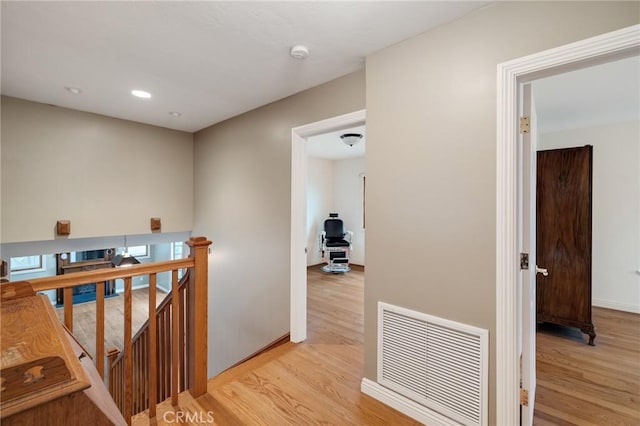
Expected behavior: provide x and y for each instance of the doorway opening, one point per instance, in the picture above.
(299, 233)
(335, 200)
(512, 78)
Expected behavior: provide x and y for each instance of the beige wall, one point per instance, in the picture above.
(431, 167)
(320, 202)
(108, 176)
(243, 204)
(347, 189)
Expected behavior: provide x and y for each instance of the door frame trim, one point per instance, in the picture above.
(298, 271)
(510, 76)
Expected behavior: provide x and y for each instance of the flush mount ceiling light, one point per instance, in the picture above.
(74, 90)
(299, 51)
(141, 94)
(175, 114)
(351, 138)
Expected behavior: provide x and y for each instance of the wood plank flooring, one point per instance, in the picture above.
(318, 381)
(84, 319)
(311, 383)
(579, 384)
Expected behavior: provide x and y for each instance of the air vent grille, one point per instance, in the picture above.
(438, 363)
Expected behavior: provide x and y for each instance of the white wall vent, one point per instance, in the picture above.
(436, 362)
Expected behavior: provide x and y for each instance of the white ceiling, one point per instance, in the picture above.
(601, 94)
(331, 147)
(207, 60)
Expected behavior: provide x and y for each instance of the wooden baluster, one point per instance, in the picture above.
(153, 348)
(160, 356)
(100, 328)
(68, 307)
(167, 354)
(140, 375)
(199, 282)
(145, 369)
(175, 319)
(128, 353)
(187, 334)
(141, 378)
(112, 354)
(181, 340)
(114, 389)
(136, 378)
(134, 394)
(121, 393)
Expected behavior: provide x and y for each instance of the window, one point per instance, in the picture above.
(177, 250)
(139, 252)
(27, 264)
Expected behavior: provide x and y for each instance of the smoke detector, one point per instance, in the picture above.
(299, 51)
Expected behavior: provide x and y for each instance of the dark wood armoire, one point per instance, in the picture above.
(563, 237)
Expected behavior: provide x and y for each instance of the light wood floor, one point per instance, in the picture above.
(318, 381)
(579, 384)
(311, 383)
(84, 319)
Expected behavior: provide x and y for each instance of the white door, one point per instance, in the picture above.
(527, 234)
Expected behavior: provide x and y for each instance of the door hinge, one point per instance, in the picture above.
(524, 124)
(524, 260)
(524, 397)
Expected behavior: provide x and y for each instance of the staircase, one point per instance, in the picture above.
(168, 355)
(165, 316)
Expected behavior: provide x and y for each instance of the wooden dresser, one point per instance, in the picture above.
(46, 377)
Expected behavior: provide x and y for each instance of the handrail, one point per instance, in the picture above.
(190, 310)
(86, 277)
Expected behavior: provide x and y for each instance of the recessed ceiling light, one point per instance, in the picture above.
(73, 90)
(299, 51)
(141, 94)
(175, 113)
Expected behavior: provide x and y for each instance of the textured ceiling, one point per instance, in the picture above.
(207, 60)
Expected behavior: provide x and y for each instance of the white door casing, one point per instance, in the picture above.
(298, 294)
(510, 76)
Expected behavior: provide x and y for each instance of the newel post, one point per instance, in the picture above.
(197, 321)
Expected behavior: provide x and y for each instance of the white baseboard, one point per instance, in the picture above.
(406, 406)
(616, 305)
